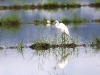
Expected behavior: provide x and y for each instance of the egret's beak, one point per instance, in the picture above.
(54, 22)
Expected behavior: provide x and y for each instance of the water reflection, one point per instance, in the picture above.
(41, 62)
(27, 61)
(63, 62)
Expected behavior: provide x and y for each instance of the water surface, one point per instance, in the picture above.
(82, 60)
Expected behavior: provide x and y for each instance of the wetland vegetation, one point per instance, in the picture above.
(49, 5)
(12, 20)
(28, 43)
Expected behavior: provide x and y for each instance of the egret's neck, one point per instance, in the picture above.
(57, 23)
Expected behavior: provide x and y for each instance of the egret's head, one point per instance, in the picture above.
(48, 22)
(55, 22)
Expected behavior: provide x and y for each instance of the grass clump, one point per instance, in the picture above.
(74, 20)
(97, 1)
(97, 40)
(10, 23)
(96, 43)
(77, 19)
(13, 20)
(66, 20)
(95, 4)
(74, 5)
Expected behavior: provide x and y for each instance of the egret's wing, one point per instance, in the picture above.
(64, 28)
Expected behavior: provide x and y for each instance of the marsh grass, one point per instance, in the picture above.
(73, 5)
(97, 40)
(56, 40)
(97, 1)
(77, 19)
(13, 20)
(10, 23)
(20, 46)
(48, 5)
(96, 43)
(74, 20)
(66, 20)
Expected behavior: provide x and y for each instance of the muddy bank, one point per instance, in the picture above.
(46, 46)
(94, 5)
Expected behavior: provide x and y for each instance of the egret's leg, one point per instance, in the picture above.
(63, 38)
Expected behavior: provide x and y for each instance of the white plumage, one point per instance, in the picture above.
(48, 23)
(62, 27)
(63, 62)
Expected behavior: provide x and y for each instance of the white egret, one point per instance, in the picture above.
(48, 22)
(62, 27)
(63, 62)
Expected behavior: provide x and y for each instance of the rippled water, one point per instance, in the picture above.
(82, 60)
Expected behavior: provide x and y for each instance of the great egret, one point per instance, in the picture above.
(48, 22)
(63, 62)
(62, 27)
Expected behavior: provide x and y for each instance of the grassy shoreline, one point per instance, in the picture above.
(15, 21)
(51, 6)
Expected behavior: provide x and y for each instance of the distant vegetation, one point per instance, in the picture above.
(49, 5)
(75, 19)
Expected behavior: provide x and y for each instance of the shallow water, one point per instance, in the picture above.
(82, 60)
